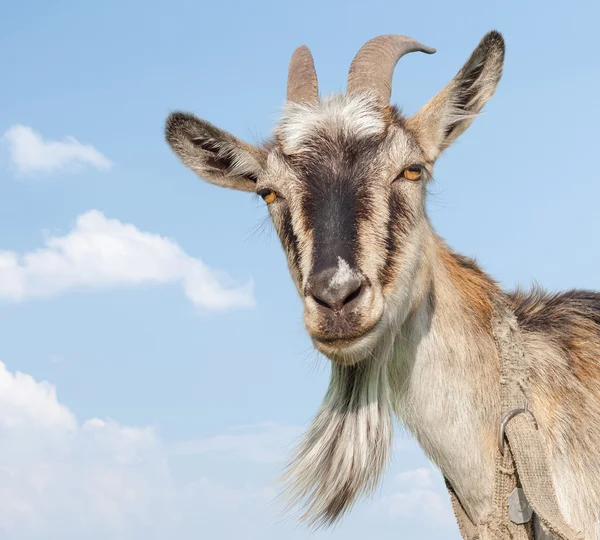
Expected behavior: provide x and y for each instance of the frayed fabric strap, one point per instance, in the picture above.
(521, 459)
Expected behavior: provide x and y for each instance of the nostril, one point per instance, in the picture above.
(353, 295)
(321, 302)
(335, 294)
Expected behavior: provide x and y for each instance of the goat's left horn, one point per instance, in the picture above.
(302, 86)
(373, 66)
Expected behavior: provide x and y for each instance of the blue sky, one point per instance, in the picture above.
(155, 369)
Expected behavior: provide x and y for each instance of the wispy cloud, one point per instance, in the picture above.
(102, 252)
(419, 494)
(261, 443)
(30, 153)
(415, 478)
(63, 479)
(97, 479)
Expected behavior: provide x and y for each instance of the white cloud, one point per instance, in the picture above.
(98, 479)
(58, 477)
(102, 252)
(260, 443)
(418, 478)
(24, 402)
(31, 154)
(420, 496)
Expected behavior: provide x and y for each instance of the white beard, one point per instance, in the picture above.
(347, 447)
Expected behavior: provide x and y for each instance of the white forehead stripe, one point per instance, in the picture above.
(356, 115)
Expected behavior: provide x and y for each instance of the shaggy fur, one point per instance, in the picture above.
(414, 339)
(348, 444)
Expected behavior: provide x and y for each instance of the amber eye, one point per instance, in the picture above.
(268, 195)
(412, 173)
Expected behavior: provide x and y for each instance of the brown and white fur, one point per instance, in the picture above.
(404, 319)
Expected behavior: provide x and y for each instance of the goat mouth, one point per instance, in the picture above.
(341, 342)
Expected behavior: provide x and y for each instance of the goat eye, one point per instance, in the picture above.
(268, 195)
(412, 173)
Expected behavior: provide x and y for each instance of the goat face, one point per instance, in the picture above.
(345, 181)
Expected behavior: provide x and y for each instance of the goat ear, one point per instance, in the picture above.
(452, 110)
(214, 154)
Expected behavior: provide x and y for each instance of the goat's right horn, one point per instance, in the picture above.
(302, 86)
(373, 66)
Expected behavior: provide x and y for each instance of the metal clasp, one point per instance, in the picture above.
(507, 418)
(519, 509)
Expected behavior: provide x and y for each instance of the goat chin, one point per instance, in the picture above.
(353, 351)
(347, 446)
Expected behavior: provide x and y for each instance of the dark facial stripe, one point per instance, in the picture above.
(336, 191)
(398, 220)
(334, 223)
(290, 241)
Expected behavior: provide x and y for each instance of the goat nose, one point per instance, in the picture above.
(333, 291)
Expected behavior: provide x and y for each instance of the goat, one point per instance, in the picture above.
(404, 319)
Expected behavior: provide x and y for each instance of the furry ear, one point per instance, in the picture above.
(450, 112)
(214, 154)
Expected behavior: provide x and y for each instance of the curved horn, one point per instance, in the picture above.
(373, 66)
(302, 79)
